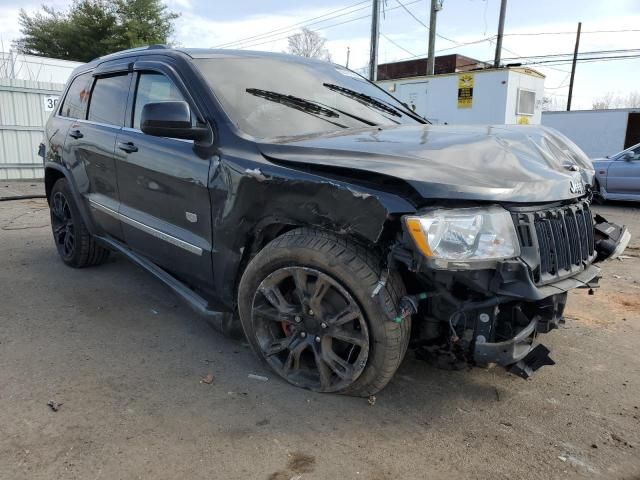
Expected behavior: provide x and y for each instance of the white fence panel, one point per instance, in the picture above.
(25, 107)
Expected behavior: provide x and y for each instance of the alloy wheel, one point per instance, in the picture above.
(62, 225)
(310, 330)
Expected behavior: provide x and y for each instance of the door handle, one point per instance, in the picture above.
(128, 147)
(76, 134)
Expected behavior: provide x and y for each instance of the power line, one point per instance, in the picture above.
(396, 44)
(520, 56)
(473, 42)
(623, 50)
(412, 14)
(308, 21)
(424, 24)
(324, 27)
(561, 61)
(584, 60)
(571, 33)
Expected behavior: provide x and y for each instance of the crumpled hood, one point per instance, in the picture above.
(508, 163)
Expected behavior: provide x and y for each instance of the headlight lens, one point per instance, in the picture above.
(465, 234)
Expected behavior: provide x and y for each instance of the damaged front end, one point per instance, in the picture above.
(488, 280)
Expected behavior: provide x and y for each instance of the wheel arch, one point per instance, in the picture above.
(51, 176)
(54, 172)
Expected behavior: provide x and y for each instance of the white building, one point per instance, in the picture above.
(17, 66)
(598, 132)
(488, 96)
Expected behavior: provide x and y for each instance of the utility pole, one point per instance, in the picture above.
(573, 66)
(348, 55)
(431, 59)
(503, 12)
(375, 31)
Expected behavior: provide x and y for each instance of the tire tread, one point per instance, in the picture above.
(365, 266)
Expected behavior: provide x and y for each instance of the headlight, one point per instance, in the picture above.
(468, 237)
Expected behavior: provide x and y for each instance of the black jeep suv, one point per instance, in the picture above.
(302, 202)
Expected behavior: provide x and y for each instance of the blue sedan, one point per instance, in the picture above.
(618, 176)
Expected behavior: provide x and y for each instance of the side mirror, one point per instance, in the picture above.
(628, 156)
(170, 119)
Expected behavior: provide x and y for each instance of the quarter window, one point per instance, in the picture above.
(77, 98)
(153, 87)
(109, 100)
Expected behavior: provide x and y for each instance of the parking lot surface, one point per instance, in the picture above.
(144, 388)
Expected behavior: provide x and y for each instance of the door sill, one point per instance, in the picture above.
(221, 321)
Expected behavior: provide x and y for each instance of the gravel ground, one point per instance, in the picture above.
(125, 360)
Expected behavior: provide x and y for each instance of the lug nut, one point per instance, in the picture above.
(318, 339)
(323, 325)
(298, 319)
(310, 312)
(303, 334)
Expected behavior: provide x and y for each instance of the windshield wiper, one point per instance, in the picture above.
(364, 98)
(307, 106)
(292, 101)
(376, 102)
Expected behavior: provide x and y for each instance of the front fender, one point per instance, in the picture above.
(248, 197)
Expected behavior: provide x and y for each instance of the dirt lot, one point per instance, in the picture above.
(125, 359)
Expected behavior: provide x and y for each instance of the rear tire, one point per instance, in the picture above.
(348, 344)
(76, 247)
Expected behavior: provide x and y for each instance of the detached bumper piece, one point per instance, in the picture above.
(513, 330)
(519, 355)
(611, 239)
(507, 352)
(536, 358)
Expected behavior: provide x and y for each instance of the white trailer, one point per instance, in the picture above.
(598, 132)
(488, 96)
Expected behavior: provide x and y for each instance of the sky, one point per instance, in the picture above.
(214, 23)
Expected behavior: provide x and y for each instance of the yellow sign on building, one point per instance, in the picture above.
(465, 90)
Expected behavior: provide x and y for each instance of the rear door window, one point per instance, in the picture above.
(109, 100)
(153, 87)
(77, 98)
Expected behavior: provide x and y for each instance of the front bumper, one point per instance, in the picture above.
(494, 316)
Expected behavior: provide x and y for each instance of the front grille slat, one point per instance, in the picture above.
(584, 240)
(590, 226)
(565, 240)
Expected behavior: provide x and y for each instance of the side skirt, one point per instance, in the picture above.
(221, 321)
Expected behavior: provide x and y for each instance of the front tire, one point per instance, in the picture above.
(76, 247)
(306, 309)
(598, 198)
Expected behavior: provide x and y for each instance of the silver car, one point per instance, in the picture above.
(618, 176)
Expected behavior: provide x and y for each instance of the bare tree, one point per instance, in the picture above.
(551, 103)
(603, 102)
(632, 100)
(310, 44)
(608, 100)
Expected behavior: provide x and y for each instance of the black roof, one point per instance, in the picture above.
(192, 53)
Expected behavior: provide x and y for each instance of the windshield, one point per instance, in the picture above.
(285, 97)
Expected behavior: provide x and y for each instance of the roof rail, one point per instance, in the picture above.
(158, 46)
